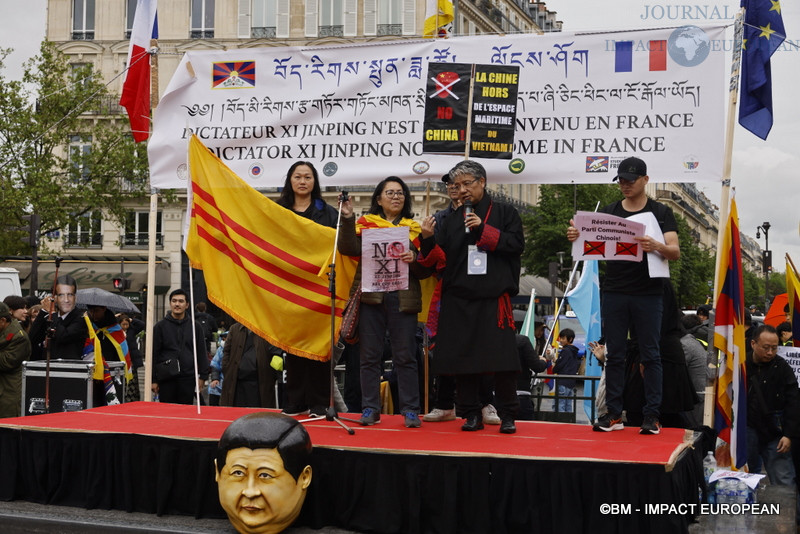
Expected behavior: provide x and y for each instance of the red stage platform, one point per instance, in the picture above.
(156, 458)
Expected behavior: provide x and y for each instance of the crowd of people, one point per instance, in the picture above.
(654, 358)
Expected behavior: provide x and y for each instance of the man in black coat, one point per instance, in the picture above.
(66, 324)
(172, 341)
(481, 243)
(773, 409)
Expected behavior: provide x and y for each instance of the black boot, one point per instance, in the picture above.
(474, 422)
(507, 426)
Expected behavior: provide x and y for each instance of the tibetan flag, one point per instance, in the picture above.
(730, 416)
(263, 264)
(438, 16)
(793, 293)
(584, 299)
(763, 34)
(136, 88)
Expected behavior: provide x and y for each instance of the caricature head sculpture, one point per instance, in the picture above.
(263, 471)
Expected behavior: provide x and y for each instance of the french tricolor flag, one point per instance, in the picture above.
(623, 55)
(136, 89)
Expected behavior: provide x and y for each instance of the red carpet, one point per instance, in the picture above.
(533, 440)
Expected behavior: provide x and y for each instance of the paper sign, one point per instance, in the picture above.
(792, 356)
(606, 237)
(382, 269)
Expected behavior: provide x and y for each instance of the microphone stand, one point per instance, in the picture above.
(336, 348)
(50, 332)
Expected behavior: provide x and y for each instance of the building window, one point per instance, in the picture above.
(264, 22)
(82, 20)
(136, 230)
(331, 18)
(390, 17)
(80, 74)
(84, 231)
(80, 147)
(202, 19)
(131, 13)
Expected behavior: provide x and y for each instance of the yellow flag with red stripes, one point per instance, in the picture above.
(262, 263)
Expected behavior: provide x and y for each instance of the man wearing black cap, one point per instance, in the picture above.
(632, 300)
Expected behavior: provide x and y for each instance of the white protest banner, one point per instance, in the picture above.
(585, 102)
(606, 237)
(792, 356)
(381, 266)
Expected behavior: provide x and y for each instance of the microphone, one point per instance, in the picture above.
(467, 211)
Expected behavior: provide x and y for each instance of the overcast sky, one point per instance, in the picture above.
(765, 173)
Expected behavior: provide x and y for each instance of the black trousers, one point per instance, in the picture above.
(179, 390)
(468, 399)
(308, 382)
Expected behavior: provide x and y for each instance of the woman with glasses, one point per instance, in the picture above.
(69, 331)
(393, 310)
(307, 381)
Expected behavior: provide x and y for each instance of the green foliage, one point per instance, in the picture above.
(54, 104)
(693, 273)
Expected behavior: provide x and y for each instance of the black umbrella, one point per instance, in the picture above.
(94, 296)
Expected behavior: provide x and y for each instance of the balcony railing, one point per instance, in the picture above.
(83, 35)
(83, 240)
(263, 32)
(333, 31)
(390, 29)
(140, 240)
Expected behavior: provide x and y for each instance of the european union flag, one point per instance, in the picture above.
(763, 34)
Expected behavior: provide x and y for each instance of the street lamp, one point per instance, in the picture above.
(766, 260)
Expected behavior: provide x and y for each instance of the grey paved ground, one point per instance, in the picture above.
(23, 517)
(784, 523)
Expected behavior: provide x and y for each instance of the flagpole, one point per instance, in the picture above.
(151, 246)
(791, 263)
(560, 305)
(708, 405)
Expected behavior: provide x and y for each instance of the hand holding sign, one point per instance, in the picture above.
(600, 236)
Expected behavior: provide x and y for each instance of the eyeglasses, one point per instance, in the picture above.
(463, 185)
(626, 181)
(769, 348)
(66, 295)
(394, 194)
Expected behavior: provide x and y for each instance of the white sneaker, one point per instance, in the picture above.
(438, 415)
(490, 416)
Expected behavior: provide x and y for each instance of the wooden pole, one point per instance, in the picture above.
(708, 405)
(151, 246)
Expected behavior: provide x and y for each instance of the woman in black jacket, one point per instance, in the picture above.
(307, 381)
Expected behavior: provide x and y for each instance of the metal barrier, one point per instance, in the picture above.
(541, 394)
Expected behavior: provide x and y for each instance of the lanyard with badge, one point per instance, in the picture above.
(476, 259)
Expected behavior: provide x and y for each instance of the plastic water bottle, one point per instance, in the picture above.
(709, 465)
(723, 491)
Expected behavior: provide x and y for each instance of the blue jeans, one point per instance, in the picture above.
(779, 465)
(566, 404)
(373, 323)
(619, 313)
